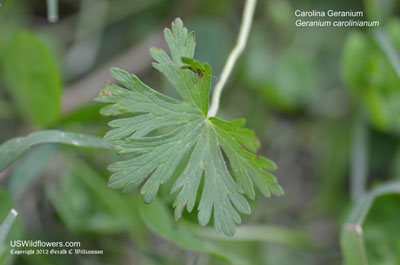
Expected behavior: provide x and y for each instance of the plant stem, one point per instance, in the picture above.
(359, 158)
(52, 11)
(247, 19)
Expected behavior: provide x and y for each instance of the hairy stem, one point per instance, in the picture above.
(234, 55)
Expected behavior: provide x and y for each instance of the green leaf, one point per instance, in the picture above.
(32, 79)
(380, 10)
(29, 168)
(5, 110)
(355, 61)
(352, 234)
(381, 225)
(85, 204)
(383, 40)
(157, 218)
(182, 127)
(285, 80)
(260, 233)
(372, 78)
(13, 149)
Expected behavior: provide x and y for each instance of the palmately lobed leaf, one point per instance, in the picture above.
(204, 139)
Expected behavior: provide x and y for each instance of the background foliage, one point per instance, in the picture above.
(323, 101)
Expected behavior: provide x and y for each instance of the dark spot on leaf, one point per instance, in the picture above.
(199, 72)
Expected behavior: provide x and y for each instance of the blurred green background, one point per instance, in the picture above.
(325, 103)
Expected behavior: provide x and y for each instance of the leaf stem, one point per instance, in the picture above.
(247, 19)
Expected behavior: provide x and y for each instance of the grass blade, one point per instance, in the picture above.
(259, 233)
(29, 168)
(352, 235)
(6, 225)
(13, 149)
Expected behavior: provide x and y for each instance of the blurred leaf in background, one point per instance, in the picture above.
(86, 204)
(285, 79)
(372, 79)
(27, 170)
(32, 79)
(382, 234)
(13, 13)
(370, 233)
(380, 10)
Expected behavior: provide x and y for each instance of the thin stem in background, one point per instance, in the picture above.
(90, 25)
(234, 55)
(359, 158)
(52, 11)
